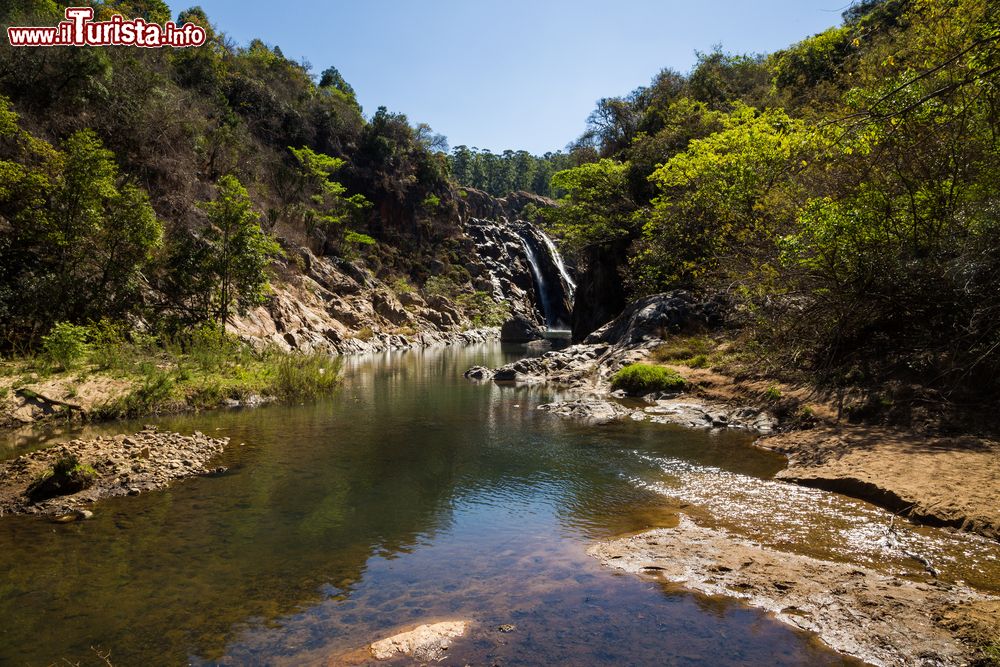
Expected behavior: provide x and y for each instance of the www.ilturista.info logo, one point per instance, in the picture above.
(79, 30)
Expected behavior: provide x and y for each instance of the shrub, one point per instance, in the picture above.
(402, 285)
(697, 361)
(65, 345)
(483, 310)
(641, 379)
(441, 286)
(109, 349)
(773, 393)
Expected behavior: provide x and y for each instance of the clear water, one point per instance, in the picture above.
(414, 496)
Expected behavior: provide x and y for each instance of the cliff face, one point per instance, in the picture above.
(601, 295)
(331, 305)
(515, 260)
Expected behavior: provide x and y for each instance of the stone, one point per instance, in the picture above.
(479, 373)
(519, 329)
(425, 642)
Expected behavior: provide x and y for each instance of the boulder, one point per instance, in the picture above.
(656, 317)
(479, 373)
(519, 329)
(424, 643)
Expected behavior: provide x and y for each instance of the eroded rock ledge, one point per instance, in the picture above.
(125, 465)
(879, 618)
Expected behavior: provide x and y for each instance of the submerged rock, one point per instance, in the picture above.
(877, 617)
(590, 410)
(425, 642)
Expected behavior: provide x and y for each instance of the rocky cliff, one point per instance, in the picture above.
(332, 305)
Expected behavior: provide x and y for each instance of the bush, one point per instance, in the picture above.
(441, 286)
(402, 285)
(109, 349)
(641, 379)
(483, 310)
(65, 345)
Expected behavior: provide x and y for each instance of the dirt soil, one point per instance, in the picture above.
(879, 618)
(125, 465)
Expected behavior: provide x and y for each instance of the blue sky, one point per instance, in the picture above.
(510, 73)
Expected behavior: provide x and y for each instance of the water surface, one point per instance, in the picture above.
(413, 496)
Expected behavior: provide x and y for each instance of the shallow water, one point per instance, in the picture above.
(412, 496)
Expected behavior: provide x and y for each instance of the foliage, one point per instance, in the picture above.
(722, 200)
(81, 236)
(66, 476)
(298, 376)
(642, 379)
(65, 345)
(500, 174)
(596, 208)
(483, 310)
(119, 133)
(239, 251)
(322, 203)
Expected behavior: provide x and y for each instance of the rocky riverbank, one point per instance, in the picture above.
(120, 465)
(939, 480)
(879, 618)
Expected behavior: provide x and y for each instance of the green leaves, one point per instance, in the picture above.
(724, 197)
(329, 210)
(240, 251)
(596, 208)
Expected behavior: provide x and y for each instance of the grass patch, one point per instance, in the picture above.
(199, 369)
(679, 349)
(990, 654)
(642, 379)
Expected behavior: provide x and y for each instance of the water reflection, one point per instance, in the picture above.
(410, 496)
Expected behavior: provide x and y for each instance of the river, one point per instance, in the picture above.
(414, 495)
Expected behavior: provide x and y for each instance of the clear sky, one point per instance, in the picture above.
(510, 73)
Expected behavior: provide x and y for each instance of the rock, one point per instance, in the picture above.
(590, 410)
(505, 374)
(880, 618)
(519, 329)
(425, 642)
(655, 316)
(66, 477)
(479, 373)
(507, 627)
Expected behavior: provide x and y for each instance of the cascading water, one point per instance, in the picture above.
(557, 258)
(521, 265)
(553, 284)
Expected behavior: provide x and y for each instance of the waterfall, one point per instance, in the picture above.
(557, 258)
(553, 284)
(520, 264)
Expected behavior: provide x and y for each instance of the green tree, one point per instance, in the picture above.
(596, 208)
(722, 200)
(240, 251)
(322, 202)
